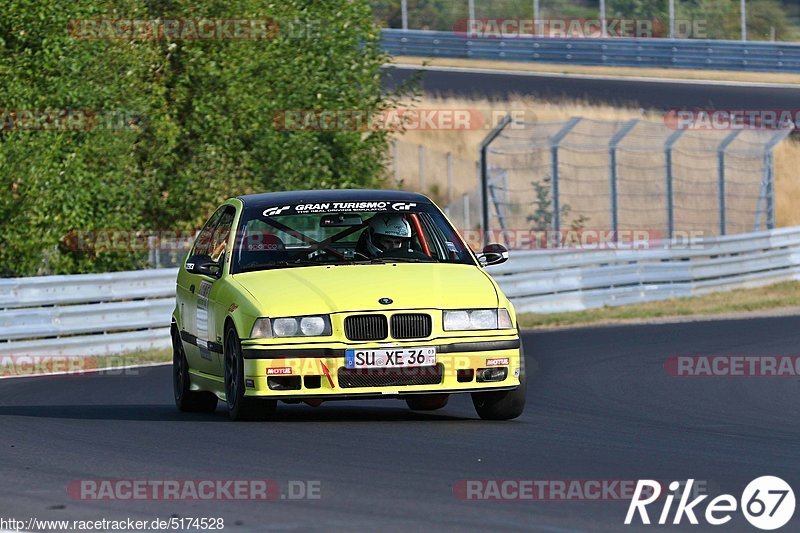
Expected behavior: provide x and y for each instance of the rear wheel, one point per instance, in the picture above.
(427, 402)
(240, 407)
(185, 399)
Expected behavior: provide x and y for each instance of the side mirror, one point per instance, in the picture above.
(493, 254)
(203, 264)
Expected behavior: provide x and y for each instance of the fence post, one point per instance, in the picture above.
(483, 151)
(466, 211)
(612, 153)
(769, 172)
(422, 168)
(396, 160)
(721, 174)
(554, 142)
(670, 192)
(449, 177)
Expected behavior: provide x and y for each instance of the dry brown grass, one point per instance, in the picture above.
(463, 145)
(714, 75)
(787, 183)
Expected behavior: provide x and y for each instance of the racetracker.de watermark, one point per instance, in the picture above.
(558, 28)
(732, 119)
(75, 365)
(193, 489)
(67, 119)
(550, 490)
(177, 29)
(584, 239)
(398, 120)
(733, 366)
(112, 240)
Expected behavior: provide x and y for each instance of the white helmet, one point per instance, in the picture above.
(389, 225)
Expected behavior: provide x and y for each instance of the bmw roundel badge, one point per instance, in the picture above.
(385, 301)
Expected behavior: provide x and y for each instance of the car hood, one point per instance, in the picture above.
(332, 289)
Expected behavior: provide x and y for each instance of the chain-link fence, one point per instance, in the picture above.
(625, 176)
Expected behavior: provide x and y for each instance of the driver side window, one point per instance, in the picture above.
(212, 238)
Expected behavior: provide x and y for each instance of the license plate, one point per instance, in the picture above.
(390, 358)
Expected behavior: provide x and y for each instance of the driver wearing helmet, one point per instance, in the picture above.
(386, 233)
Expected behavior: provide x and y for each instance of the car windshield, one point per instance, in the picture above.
(344, 234)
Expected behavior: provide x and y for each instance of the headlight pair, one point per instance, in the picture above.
(293, 326)
(474, 319)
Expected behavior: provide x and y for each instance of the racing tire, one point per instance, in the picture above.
(241, 407)
(187, 400)
(427, 402)
(503, 405)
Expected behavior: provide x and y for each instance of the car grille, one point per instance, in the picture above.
(366, 327)
(411, 326)
(390, 377)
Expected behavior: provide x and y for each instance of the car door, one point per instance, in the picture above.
(192, 294)
(211, 311)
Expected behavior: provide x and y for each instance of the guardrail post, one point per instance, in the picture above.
(670, 192)
(483, 151)
(612, 164)
(554, 142)
(721, 175)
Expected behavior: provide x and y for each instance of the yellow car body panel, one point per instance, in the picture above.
(209, 304)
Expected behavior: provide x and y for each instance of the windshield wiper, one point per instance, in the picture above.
(385, 260)
(279, 264)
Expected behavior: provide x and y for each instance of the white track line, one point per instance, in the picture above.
(667, 81)
(91, 371)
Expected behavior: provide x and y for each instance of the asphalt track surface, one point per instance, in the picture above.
(658, 95)
(600, 406)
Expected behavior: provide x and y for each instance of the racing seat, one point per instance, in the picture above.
(260, 247)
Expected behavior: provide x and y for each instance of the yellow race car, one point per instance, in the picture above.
(312, 296)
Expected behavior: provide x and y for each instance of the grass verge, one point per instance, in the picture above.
(777, 297)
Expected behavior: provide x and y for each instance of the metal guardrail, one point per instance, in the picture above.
(128, 311)
(570, 280)
(88, 314)
(652, 53)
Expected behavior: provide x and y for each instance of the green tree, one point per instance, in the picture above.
(206, 129)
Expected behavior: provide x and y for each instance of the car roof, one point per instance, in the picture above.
(331, 195)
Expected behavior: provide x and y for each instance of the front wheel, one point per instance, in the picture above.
(501, 405)
(240, 407)
(187, 400)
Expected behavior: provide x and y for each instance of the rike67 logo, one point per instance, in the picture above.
(767, 503)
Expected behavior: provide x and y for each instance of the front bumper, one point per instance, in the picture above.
(318, 371)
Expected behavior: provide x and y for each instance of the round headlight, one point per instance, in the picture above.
(284, 327)
(483, 319)
(312, 326)
(456, 320)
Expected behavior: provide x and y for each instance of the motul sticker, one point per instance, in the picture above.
(503, 361)
(279, 371)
